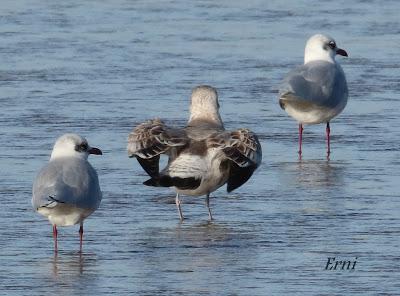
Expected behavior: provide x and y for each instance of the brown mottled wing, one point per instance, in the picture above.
(150, 139)
(243, 150)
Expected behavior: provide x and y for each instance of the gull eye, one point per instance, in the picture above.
(82, 147)
(332, 44)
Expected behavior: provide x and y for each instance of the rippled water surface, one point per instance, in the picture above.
(99, 67)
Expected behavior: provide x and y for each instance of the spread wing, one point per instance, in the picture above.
(243, 150)
(67, 181)
(152, 138)
(318, 82)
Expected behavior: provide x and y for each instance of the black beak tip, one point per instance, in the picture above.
(342, 52)
(95, 151)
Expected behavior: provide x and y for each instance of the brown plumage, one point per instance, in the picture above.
(203, 156)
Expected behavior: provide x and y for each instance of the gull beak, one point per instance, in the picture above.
(342, 52)
(94, 150)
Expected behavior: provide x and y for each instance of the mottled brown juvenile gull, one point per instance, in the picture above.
(67, 190)
(317, 91)
(203, 156)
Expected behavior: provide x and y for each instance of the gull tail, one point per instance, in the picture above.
(51, 203)
(168, 181)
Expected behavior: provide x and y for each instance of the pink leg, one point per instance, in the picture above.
(80, 237)
(55, 233)
(328, 139)
(300, 137)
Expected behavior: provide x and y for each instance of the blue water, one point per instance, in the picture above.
(99, 68)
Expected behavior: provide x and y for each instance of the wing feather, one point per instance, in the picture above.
(319, 82)
(73, 182)
(150, 139)
(243, 149)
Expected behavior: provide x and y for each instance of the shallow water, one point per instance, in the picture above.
(100, 68)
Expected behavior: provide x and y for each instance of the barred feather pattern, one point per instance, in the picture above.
(153, 138)
(241, 146)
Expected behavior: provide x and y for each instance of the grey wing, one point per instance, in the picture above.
(317, 82)
(243, 150)
(71, 182)
(152, 138)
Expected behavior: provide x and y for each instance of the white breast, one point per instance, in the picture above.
(315, 115)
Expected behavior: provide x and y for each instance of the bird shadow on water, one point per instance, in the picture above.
(314, 173)
(192, 246)
(202, 234)
(188, 234)
(71, 264)
(69, 273)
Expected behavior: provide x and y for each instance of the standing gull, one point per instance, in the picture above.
(67, 190)
(203, 156)
(316, 91)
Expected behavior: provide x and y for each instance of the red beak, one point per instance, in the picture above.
(342, 52)
(95, 151)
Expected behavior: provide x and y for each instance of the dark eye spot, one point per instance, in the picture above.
(82, 147)
(332, 44)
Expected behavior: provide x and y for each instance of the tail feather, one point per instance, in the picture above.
(168, 181)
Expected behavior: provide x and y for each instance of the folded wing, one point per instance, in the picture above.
(152, 138)
(319, 82)
(72, 182)
(243, 151)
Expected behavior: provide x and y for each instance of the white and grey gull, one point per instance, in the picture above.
(317, 91)
(67, 189)
(203, 156)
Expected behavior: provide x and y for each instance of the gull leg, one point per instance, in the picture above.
(300, 138)
(80, 237)
(55, 233)
(208, 206)
(178, 205)
(328, 139)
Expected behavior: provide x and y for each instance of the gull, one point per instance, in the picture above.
(67, 190)
(317, 91)
(203, 156)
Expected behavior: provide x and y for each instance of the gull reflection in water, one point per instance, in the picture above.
(314, 173)
(321, 173)
(71, 263)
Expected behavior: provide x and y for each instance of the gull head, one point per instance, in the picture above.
(204, 104)
(322, 47)
(73, 145)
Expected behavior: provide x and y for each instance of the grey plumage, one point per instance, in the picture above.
(317, 91)
(70, 181)
(66, 190)
(318, 83)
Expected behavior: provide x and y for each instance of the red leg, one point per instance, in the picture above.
(80, 237)
(55, 233)
(300, 137)
(328, 139)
